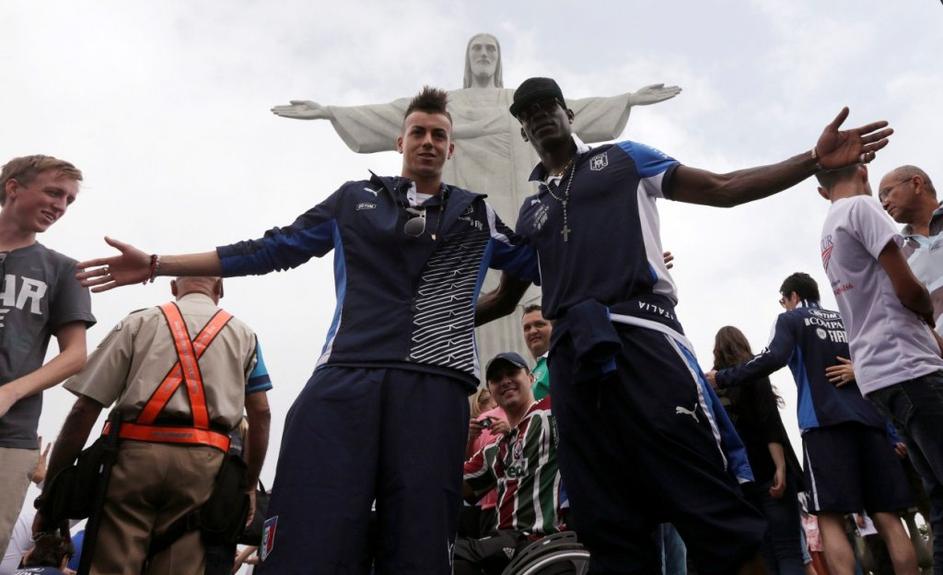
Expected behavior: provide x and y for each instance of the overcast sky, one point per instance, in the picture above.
(164, 106)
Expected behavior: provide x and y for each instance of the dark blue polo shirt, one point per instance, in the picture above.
(403, 302)
(612, 253)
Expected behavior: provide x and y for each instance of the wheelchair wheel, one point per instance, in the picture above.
(557, 554)
(566, 562)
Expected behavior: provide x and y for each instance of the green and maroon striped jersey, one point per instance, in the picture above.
(523, 467)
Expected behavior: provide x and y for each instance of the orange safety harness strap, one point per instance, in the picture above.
(169, 434)
(186, 369)
(174, 378)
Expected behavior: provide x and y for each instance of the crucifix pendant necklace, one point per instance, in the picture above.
(565, 231)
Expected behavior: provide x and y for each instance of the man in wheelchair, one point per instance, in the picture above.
(522, 464)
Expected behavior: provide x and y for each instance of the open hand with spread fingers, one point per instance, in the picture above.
(839, 148)
(102, 274)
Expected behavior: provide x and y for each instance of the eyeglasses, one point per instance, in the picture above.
(782, 300)
(545, 106)
(887, 191)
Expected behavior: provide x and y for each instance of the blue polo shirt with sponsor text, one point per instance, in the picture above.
(809, 339)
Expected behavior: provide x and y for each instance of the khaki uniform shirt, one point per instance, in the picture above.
(134, 358)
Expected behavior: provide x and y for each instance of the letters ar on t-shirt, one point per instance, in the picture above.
(38, 294)
(22, 293)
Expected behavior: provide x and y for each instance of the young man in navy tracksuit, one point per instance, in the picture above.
(850, 463)
(384, 417)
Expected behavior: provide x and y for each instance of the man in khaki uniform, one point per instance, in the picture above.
(175, 430)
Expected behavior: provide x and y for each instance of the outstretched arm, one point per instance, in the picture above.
(652, 94)
(365, 129)
(134, 266)
(775, 356)
(604, 118)
(303, 110)
(835, 149)
(311, 234)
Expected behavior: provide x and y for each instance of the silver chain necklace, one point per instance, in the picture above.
(565, 231)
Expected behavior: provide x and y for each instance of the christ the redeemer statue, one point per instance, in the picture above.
(491, 156)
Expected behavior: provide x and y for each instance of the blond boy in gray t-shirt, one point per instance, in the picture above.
(39, 298)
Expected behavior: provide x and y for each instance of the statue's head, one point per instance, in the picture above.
(483, 60)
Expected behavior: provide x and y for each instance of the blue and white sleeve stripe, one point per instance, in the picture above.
(655, 168)
(259, 379)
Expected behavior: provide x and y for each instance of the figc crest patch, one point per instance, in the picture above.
(268, 537)
(598, 162)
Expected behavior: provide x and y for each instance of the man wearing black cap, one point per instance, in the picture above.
(522, 465)
(623, 377)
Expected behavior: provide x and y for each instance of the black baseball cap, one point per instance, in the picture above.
(498, 361)
(534, 90)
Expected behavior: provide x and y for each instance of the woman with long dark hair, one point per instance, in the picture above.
(753, 409)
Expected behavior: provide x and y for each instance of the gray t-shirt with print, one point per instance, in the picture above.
(889, 343)
(38, 294)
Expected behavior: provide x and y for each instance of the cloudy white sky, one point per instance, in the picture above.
(164, 105)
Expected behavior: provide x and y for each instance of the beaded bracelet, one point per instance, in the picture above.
(815, 156)
(155, 266)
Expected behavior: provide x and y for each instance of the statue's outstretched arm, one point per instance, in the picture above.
(365, 129)
(603, 119)
(653, 94)
(303, 110)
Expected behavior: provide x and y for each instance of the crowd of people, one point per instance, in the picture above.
(612, 429)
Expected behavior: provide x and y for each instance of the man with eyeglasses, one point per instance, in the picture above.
(620, 365)
(384, 417)
(908, 195)
(849, 448)
(39, 298)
